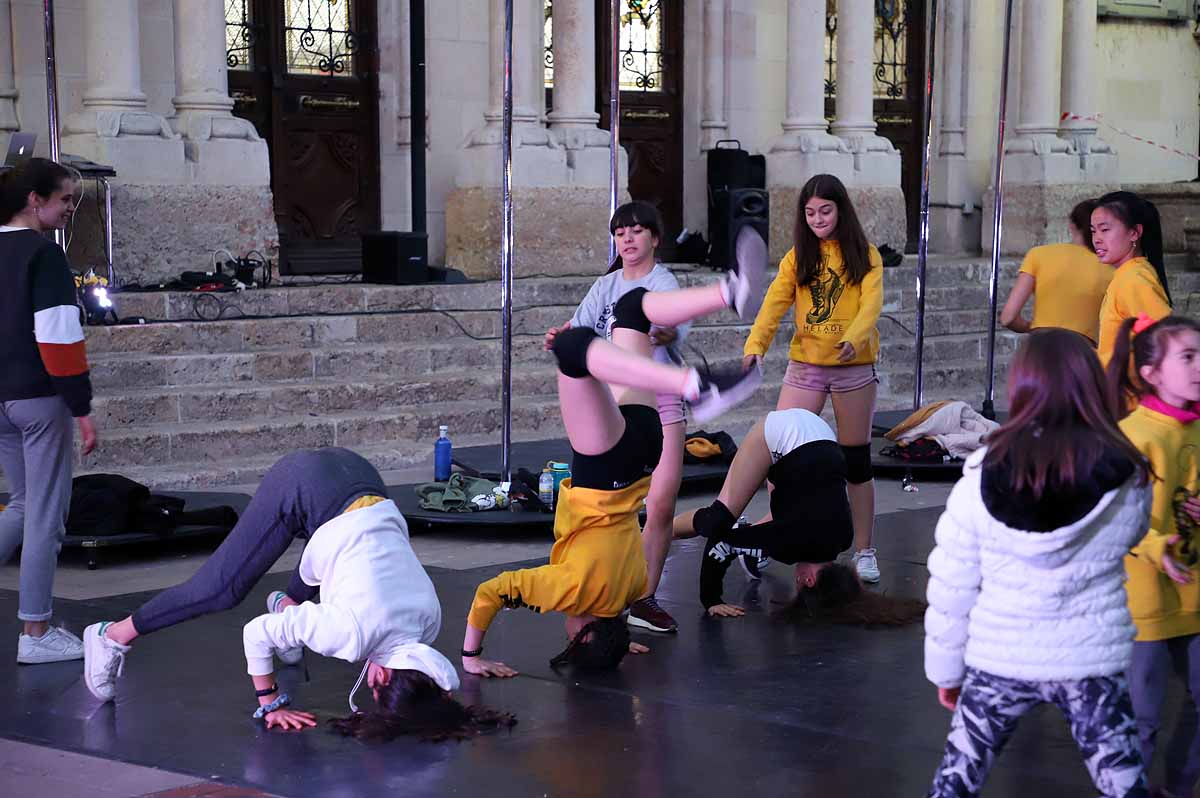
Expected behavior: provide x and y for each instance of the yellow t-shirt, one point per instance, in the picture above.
(596, 566)
(1161, 608)
(1070, 282)
(829, 311)
(1134, 289)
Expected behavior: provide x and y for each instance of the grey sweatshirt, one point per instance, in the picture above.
(596, 309)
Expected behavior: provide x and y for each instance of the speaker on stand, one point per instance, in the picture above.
(736, 196)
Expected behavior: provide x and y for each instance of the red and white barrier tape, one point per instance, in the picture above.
(1098, 119)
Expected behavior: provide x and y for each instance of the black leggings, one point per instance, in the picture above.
(301, 492)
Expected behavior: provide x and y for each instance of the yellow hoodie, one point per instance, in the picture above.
(596, 566)
(829, 311)
(1161, 608)
(1134, 289)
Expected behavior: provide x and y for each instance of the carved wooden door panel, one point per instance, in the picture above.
(651, 102)
(309, 85)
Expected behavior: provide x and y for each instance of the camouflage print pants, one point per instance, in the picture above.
(1097, 709)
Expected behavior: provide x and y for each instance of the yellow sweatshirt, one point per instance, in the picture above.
(1134, 289)
(596, 565)
(829, 311)
(1161, 608)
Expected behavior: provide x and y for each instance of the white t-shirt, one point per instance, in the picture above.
(788, 430)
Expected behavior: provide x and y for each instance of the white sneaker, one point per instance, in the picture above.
(866, 565)
(291, 656)
(57, 645)
(746, 279)
(103, 661)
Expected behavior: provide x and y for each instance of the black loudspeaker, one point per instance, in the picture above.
(748, 207)
(729, 170)
(395, 258)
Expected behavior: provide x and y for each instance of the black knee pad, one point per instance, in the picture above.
(628, 312)
(713, 521)
(858, 464)
(570, 348)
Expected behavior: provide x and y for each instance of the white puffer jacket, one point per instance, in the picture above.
(1037, 606)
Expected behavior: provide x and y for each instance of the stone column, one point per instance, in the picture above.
(8, 83)
(952, 229)
(1035, 152)
(713, 124)
(559, 178)
(876, 161)
(1096, 157)
(115, 126)
(573, 119)
(221, 148)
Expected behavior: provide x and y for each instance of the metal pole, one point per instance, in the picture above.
(923, 236)
(989, 405)
(614, 118)
(52, 91)
(108, 230)
(506, 253)
(416, 94)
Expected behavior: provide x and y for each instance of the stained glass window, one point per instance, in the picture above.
(239, 35)
(548, 43)
(318, 37)
(641, 54)
(891, 49)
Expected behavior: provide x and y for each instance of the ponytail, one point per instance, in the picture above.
(1123, 388)
(35, 176)
(1133, 210)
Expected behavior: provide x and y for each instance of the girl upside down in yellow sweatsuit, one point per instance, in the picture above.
(597, 568)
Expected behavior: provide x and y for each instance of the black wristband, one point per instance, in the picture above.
(474, 653)
(274, 688)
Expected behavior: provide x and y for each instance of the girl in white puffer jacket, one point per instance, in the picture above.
(1026, 591)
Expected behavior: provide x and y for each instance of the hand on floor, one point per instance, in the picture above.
(288, 719)
(726, 611)
(486, 667)
(948, 697)
(638, 648)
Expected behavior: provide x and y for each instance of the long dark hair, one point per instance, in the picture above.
(1148, 348)
(412, 703)
(600, 645)
(1062, 420)
(849, 233)
(1133, 210)
(1081, 220)
(634, 213)
(37, 176)
(838, 596)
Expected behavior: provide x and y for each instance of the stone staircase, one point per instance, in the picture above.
(189, 403)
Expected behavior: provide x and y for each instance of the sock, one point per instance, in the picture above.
(691, 386)
(727, 289)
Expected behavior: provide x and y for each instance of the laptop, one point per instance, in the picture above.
(20, 148)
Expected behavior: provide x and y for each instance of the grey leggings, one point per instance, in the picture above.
(299, 494)
(36, 449)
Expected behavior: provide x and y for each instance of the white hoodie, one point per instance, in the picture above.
(377, 602)
(1035, 606)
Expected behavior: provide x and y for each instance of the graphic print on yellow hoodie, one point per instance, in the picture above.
(829, 310)
(1161, 608)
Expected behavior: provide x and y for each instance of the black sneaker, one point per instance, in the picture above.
(723, 390)
(646, 614)
(753, 566)
(747, 276)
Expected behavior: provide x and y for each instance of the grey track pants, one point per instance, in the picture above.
(36, 447)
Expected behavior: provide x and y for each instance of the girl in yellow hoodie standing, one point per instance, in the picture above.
(1162, 570)
(835, 280)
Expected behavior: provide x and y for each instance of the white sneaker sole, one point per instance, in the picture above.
(46, 658)
(870, 576)
(751, 253)
(94, 647)
(709, 407)
(633, 620)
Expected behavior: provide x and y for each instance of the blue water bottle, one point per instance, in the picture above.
(441, 455)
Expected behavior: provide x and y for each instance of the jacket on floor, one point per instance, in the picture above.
(377, 602)
(1020, 603)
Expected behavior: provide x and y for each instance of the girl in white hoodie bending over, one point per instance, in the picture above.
(1026, 590)
(377, 602)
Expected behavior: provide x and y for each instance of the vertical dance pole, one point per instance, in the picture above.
(506, 253)
(923, 236)
(614, 118)
(52, 91)
(989, 403)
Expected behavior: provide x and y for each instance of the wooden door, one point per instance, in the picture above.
(304, 72)
(651, 102)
